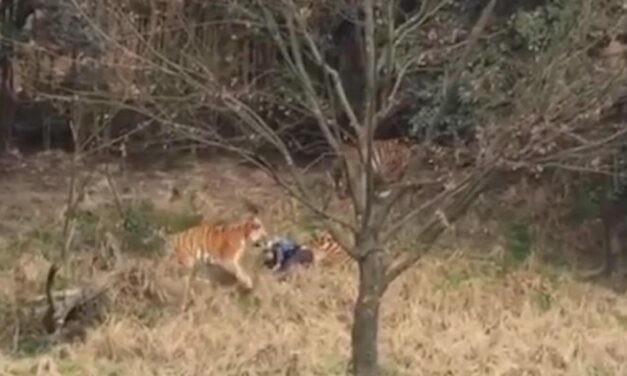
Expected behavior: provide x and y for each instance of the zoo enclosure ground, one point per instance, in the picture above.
(448, 316)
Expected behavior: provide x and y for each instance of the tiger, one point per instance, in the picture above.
(327, 251)
(221, 244)
(390, 162)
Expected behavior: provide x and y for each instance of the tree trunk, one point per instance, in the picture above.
(366, 316)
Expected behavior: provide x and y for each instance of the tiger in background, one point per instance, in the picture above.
(390, 162)
(222, 244)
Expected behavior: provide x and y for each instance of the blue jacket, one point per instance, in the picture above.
(284, 249)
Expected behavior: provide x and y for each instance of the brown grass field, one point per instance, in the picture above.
(448, 316)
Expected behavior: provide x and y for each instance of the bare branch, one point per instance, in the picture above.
(417, 20)
(354, 121)
(452, 83)
(299, 69)
(579, 150)
(402, 190)
(461, 199)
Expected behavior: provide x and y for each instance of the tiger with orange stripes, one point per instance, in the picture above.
(327, 251)
(219, 244)
(390, 162)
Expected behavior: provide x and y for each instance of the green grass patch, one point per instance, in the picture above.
(542, 300)
(519, 245)
(44, 241)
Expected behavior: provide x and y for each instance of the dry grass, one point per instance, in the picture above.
(444, 317)
(436, 321)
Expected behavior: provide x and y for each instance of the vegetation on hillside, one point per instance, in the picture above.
(516, 108)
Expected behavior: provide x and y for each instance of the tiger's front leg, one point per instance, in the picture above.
(243, 278)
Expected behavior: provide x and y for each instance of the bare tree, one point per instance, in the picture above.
(533, 142)
(556, 134)
(374, 221)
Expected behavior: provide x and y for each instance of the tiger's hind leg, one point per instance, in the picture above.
(188, 294)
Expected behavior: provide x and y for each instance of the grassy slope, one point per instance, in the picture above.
(445, 317)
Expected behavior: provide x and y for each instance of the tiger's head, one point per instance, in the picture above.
(255, 230)
(319, 236)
